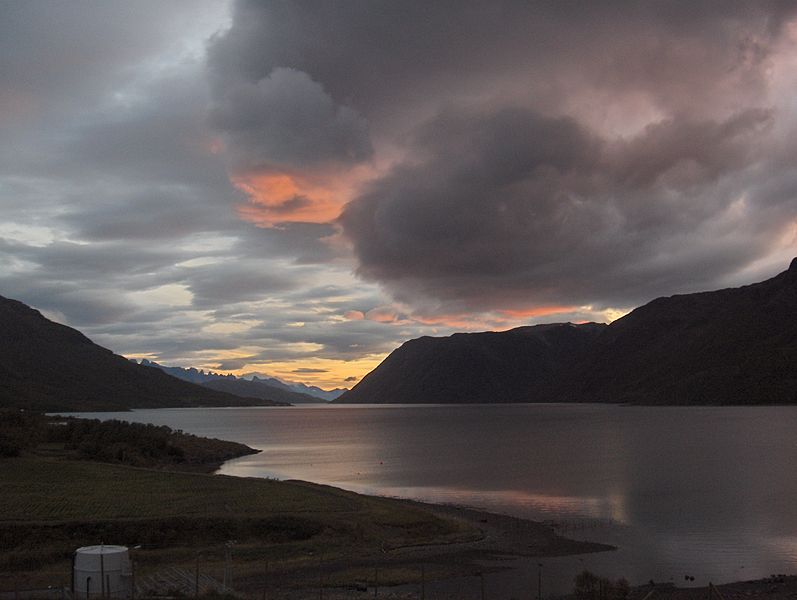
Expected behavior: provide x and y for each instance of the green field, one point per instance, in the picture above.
(42, 489)
(51, 505)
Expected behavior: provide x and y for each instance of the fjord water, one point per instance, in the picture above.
(709, 492)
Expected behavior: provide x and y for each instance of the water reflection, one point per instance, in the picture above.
(704, 491)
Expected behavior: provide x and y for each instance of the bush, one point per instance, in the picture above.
(589, 586)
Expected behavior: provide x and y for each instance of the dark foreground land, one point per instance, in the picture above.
(776, 587)
(290, 536)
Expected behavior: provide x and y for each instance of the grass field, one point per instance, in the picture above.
(50, 506)
(42, 489)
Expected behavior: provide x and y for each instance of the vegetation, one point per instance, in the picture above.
(68, 483)
(52, 505)
(589, 586)
(135, 444)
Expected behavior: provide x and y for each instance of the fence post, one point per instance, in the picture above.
(196, 578)
(321, 578)
(266, 583)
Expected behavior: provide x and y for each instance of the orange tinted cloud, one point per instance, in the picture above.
(275, 198)
(313, 197)
(382, 314)
(538, 311)
(460, 321)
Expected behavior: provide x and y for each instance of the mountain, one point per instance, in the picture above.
(265, 389)
(258, 389)
(732, 346)
(46, 366)
(191, 374)
(311, 390)
(520, 365)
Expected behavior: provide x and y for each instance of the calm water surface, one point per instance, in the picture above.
(707, 492)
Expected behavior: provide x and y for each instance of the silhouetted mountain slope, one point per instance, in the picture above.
(48, 366)
(733, 346)
(258, 389)
(520, 365)
(314, 390)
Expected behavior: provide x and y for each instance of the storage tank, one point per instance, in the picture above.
(102, 572)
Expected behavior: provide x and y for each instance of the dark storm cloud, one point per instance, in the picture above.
(544, 153)
(286, 119)
(542, 210)
(382, 56)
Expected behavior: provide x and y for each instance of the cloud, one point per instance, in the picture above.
(233, 364)
(537, 210)
(287, 121)
(537, 154)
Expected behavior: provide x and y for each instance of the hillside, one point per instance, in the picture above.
(732, 346)
(521, 365)
(51, 367)
(302, 388)
(257, 389)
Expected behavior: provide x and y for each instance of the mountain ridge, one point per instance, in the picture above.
(47, 366)
(730, 346)
(230, 384)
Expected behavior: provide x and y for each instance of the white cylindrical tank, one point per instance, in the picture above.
(102, 571)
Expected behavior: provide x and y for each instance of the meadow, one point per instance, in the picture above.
(53, 505)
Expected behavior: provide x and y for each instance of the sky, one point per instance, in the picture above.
(296, 188)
